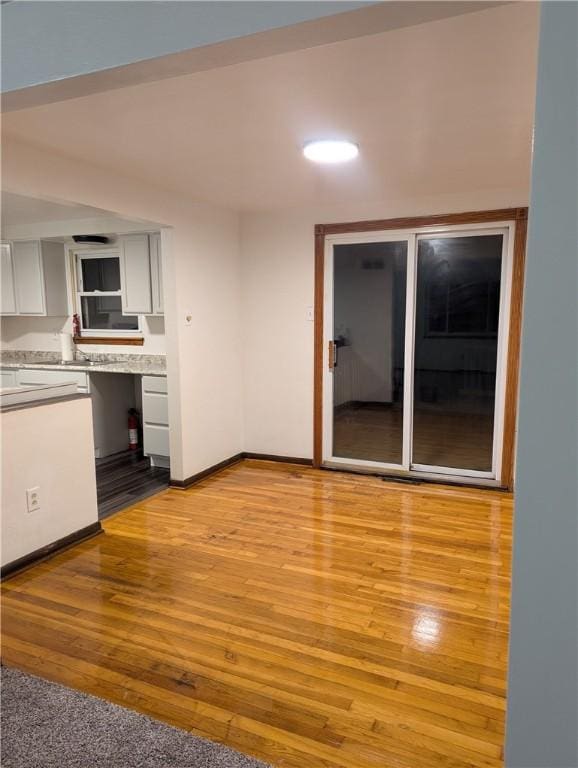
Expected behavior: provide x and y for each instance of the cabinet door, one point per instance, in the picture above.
(31, 376)
(135, 275)
(7, 379)
(8, 305)
(155, 401)
(28, 278)
(157, 274)
(156, 440)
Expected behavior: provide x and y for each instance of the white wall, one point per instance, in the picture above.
(41, 334)
(277, 287)
(64, 473)
(201, 276)
(208, 285)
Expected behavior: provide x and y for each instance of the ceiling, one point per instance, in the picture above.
(18, 209)
(435, 109)
(24, 217)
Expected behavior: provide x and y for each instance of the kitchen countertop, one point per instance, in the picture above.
(149, 365)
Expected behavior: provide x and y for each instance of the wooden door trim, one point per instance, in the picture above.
(519, 216)
(318, 347)
(514, 344)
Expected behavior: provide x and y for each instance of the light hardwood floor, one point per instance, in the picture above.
(310, 618)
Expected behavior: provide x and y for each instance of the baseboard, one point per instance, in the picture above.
(273, 457)
(193, 479)
(11, 569)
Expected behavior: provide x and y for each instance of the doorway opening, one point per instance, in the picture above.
(417, 345)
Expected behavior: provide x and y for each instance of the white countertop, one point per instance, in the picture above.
(147, 365)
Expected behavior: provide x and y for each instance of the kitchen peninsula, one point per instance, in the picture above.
(48, 496)
(116, 384)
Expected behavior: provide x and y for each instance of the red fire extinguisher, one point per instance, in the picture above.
(133, 429)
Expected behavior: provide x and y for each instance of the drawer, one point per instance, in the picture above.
(34, 376)
(155, 408)
(7, 379)
(154, 384)
(156, 440)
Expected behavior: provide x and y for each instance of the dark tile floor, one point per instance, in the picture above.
(124, 478)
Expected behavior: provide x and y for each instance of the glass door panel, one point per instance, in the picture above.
(456, 351)
(369, 297)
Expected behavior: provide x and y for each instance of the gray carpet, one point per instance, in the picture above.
(45, 725)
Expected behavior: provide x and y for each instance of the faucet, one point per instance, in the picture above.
(82, 354)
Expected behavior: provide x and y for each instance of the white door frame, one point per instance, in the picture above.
(412, 237)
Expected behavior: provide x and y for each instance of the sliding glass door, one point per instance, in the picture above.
(456, 352)
(369, 299)
(415, 338)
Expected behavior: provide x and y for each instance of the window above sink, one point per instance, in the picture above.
(99, 296)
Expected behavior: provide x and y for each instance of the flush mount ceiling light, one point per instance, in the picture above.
(330, 151)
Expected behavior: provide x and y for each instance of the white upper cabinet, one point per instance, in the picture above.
(36, 279)
(141, 274)
(29, 278)
(135, 275)
(8, 306)
(156, 274)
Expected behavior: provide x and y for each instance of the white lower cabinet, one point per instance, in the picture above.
(155, 418)
(112, 397)
(29, 377)
(156, 441)
(7, 378)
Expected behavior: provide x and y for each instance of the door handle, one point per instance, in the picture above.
(332, 355)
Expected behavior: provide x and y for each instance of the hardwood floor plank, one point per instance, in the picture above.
(313, 619)
(123, 478)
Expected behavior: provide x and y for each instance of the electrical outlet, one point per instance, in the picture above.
(33, 499)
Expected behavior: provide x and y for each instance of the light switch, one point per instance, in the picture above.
(309, 314)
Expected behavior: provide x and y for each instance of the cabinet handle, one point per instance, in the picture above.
(332, 355)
